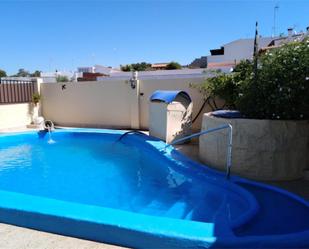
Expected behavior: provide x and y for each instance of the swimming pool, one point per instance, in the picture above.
(135, 193)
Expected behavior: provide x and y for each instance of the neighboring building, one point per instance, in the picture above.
(291, 37)
(91, 73)
(233, 52)
(82, 74)
(86, 69)
(228, 55)
(51, 77)
(97, 69)
(159, 66)
(199, 62)
(91, 76)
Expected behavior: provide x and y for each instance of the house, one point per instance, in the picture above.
(86, 69)
(91, 73)
(228, 55)
(51, 77)
(291, 37)
(90, 76)
(97, 69)
(159, 66)
(199, 62)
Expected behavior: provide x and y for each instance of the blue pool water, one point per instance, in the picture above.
(94, 169)
(137, 178)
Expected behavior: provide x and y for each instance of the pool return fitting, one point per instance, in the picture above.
(47, 126)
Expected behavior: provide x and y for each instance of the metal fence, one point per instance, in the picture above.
(14, 91)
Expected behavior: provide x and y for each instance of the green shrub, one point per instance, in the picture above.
(62, 78)
(278, 90)
(173, 65)
(36, 73)
(126, 68)
(143, 66)
(2, 73)
(36, 97)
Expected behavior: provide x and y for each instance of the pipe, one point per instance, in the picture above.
(129, 132)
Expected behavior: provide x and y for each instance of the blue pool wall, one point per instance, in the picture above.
(98, 224)
(125, 228)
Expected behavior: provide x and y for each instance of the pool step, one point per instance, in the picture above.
(177, 210)
(220, 218)
(174, 210)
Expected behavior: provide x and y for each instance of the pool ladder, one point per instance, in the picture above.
(222, 127)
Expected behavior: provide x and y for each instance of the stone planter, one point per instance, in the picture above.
(262, 149)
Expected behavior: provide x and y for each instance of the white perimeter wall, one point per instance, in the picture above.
(14, 115)
(92, 104)
(110, 103)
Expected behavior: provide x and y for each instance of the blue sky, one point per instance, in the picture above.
(49, 35)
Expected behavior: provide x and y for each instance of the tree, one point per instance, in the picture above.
(142, 66)
(173, 65)
(2, 73)
(36, 97)
(22, 73)
(126, 68)
(36, 73)
(62, 78)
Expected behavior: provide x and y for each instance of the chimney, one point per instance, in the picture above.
(290, 32)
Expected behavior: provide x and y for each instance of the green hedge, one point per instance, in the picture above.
(278, 90)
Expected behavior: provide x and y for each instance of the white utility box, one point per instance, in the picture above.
(170, 115)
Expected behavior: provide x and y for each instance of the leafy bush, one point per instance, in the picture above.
(36, 73)
(2, 73)
(62, 78)
(22, 73)
(173, 65)
(278, 90)
(126, 68)
(143, 66)
(36, 97)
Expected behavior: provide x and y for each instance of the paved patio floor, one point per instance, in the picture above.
(12, 237)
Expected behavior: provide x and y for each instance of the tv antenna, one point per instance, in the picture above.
(276, 9)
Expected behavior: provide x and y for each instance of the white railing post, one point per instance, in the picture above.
(229, 151)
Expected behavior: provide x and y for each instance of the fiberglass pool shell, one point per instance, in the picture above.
(137, 193)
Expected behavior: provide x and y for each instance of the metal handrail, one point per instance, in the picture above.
(129, 132)
(229, 143)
